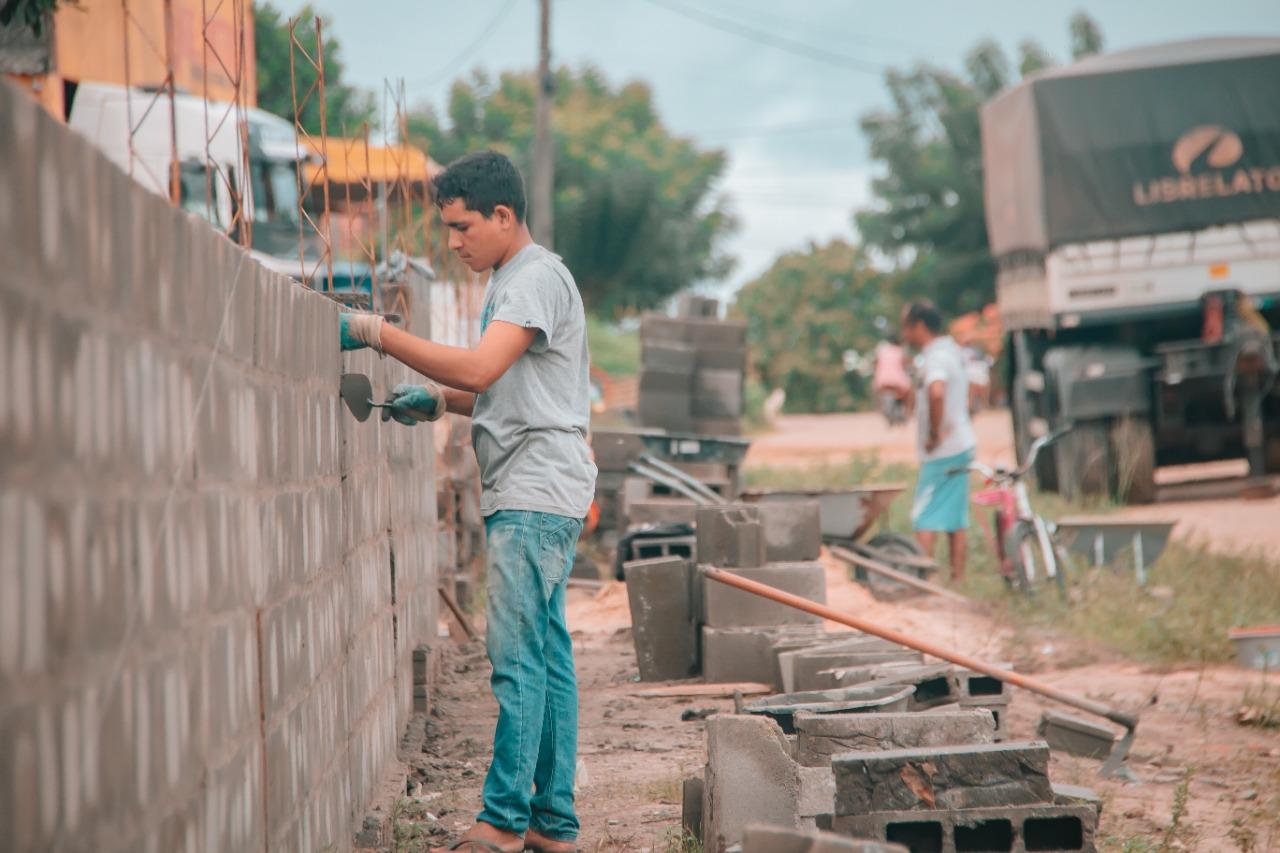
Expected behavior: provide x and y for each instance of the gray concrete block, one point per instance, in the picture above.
(716, 393)
(729, 358)
(653, 380)
(716, 426)
(946, 777)
(691, 791)
(975, 684)
(764, 838)
(731, 537)
(997, 706)
(659, 327)
(827, 668)
(867, 699)
(1075, 735)
(750, 777)
(823, 736)
(933, 684)
(727, 607)
(1076, 795)
(669, 410)
(660, 511)
(747, 654)
(792, 530)
(672, 356)
(693, 305)
(1016, 829)
(662, 626)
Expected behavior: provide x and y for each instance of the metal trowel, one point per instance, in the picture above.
(356, 391)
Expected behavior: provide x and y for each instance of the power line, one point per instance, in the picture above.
(742, 132)
(783, 43)
(465, 54)
(878, 42)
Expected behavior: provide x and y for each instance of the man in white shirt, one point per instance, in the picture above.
(946, 438)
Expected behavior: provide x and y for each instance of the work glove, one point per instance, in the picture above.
(357, 331)
(410, 404)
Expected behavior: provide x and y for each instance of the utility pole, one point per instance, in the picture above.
(543, 157)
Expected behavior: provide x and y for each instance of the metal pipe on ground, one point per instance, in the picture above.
(1120, 750)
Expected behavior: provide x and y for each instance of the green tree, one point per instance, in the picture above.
(346, 106)
(1086, 38)
(636, 214)
(804, 314)
(928, 217)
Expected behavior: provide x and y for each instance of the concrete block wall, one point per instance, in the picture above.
(212, 578)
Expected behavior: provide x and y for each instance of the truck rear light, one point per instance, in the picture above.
(1219, 271)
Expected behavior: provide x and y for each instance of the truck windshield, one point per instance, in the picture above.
(283, 178)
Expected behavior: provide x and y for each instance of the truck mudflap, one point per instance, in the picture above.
(1092, 382)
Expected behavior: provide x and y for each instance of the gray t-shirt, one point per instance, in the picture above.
(530, 428)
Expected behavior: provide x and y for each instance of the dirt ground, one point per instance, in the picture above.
(1205, 783)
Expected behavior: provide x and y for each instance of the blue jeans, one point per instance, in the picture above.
(530, 782)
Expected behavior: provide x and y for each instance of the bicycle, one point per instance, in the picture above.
(1024, 542)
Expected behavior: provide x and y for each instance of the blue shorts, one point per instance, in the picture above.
(942, 498)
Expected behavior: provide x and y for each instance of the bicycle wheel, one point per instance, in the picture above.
(1030, 563)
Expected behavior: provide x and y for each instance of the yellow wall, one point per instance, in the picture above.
(89, 44)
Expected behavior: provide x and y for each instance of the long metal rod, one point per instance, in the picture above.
(889, 572)
(683, 476)
(1009, 677)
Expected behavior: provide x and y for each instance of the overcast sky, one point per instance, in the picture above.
(798, 163)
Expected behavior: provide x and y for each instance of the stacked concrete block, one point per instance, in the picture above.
(728, 607)
(659, 592)
(831, 665)
(731, 537)
(792, 530)
(751, 776)
(216, 583)
(963, 776)
(749, 654)
(823, 736)
(1016, 829)
(692, 369)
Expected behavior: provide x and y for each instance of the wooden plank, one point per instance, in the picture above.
(901, 577)
(706, 691)
(452, 604)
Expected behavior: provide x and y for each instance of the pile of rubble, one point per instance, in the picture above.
(861, 737)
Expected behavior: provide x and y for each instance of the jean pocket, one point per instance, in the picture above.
(558, 536)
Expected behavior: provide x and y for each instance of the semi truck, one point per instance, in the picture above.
(132, 127)
(1133, 210)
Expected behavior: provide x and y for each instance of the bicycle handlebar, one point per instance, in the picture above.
(1005, 475)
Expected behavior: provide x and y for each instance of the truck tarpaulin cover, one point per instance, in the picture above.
(1175, 137)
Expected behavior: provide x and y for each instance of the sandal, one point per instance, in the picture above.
(532, 847)
(473, 843)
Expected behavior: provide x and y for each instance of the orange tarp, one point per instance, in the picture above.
(382, 164)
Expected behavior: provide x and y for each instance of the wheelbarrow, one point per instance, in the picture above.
(1102, 539)
(847, 516)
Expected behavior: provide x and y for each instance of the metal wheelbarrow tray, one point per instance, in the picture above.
(846, 514)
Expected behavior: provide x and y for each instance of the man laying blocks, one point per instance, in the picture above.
(525, 387)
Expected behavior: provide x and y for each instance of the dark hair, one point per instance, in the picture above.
(923, 311)
(482, 181)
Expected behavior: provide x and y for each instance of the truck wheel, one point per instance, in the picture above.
(1133, 451)
(1272, 453)
(1084, 461)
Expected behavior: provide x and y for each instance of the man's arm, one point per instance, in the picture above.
(467, 370)
(459, 402)
(937, 405)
